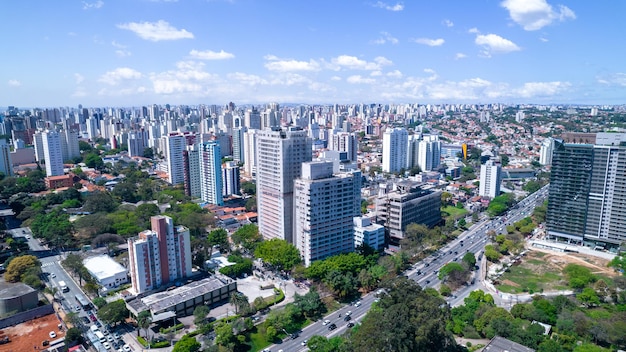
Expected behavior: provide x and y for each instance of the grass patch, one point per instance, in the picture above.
(453, 211)
(535, 261)
(528, 280)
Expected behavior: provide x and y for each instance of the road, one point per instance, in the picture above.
(425, 272)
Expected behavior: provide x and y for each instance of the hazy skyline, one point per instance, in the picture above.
(124, 53)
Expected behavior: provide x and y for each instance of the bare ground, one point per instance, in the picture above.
(29, 336)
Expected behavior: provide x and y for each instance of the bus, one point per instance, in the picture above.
(83, 302)
(63, 286)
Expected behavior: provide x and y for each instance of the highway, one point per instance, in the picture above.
(425, 272)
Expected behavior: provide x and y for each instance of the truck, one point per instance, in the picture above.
(63, 286)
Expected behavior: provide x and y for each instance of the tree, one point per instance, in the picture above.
(144, 319)
(94, 161)
(278, 253)
(148, 153)
(73, 335)
(251, 204)
(219, 238)
(578, 276)
(99, 302)
(454, 273)
(469, 259)
(113, 312)
(247, 236)
(20, 266)
(99, 202)
(239, 301)
(224, 334)
(187, 344)
(200, 313)
(310, 303)
(248, 187)
(588, 297)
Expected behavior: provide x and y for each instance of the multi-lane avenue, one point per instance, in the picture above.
(424, 272)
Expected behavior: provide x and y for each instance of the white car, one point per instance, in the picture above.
(126, 348)
(303, 343)
(107, 345)
(326, 322)
(53, 275)
(357, 304)
(52, 334)
(348, 313)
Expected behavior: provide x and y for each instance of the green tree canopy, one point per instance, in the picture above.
(278, 253)
(113, 312)
(187, 344)
(247, 236)
(19, 266)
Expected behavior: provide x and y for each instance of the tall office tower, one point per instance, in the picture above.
(6, 164)
(587, 199)
(105, 128)
(230, 179)
(155, 113)
(92, 128)
(395, 142)
(191, 160)
(345, 142)
(159, 256)
(238, 144)
(270, 117)
(325, 207)
(211, 173)
(51, 141)
(545, 153)
(69, 144)
(225, 121)
(252, 119)
(38, 144)
(520, 116)
(137, 142)
(249, 151)
(429, 153)
(174, 147)
(490, 179)
(280, 154)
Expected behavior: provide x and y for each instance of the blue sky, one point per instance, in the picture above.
(136, 52)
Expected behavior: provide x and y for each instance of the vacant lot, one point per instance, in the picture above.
(542, 271)
(29, 336)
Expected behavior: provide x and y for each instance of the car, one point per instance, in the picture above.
(295, 335)
(53, 275)
(348, 313)
(106, 345)
(98, 323)
(347, 318)
(266, 350)
(28, 237)
(126, 348)
(357, 304)
(52, 334)
(109, 338)
(332, 327)
(77, 308)
(116, 336)
(86, 320)
(92, 317)
(303, 343)
(326, 322)
(350, 325)
(427, 282)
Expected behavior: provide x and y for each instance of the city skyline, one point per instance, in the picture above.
(140, 52)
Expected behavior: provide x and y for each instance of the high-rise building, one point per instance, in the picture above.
(238, 144)
(345, 142)
(252, 119)
(174, 147)
(280, 154)
(6, 165)
(490, 179)
(230, 179)
(211, 173)
(53, 156)
(69, 144)
(191, 161)
(159, 256)
(545, 153)
(429, 153)
(38, 144)
(137, 142)
(395, 143)
(325, 207)
(249, 151)
(587, 198)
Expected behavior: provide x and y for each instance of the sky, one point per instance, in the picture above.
(139, 52)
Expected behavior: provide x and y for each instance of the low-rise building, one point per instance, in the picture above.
(365, 232)
(107, 272)
(15, 298)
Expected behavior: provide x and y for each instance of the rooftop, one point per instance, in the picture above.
(103, 266)
(500, 344)
(9, 290)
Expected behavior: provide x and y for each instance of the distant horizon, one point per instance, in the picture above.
(134, 52)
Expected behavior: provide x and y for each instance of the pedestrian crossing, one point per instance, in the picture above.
(44, 265)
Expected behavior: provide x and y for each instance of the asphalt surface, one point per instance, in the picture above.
(425, 272)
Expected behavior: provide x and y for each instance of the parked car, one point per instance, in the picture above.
(332, 327)
(52, 334)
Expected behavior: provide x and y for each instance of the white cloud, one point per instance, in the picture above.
(211, 55)
(118, 45)
(335, 78)
(72, 34)
(541, 89)
(358, 79)
(545, 40)
(614, 79)
(287, 65)
(536, 14)
(14, 83)
(394, 74)
(79, 92)
(156, 31)
(385, 37)
(79, 78)
(118, 75)
(448, 23)
(493, 43)
(459, 56)
(354, 63)
(430, 42)
(376, 73)
(473, 30)
(383, 5)
(92, 5)
(247, 79)
(122, 53)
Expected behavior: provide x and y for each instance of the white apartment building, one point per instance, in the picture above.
(429, 153)
(345, 142)
(53, 156)
(395, 143)
(545, 153)
(193, 182)
(174, 147)
(366, 232)
(6, 164)
(280, 154)
(211, 173)
(249, 151)
(490, 179)
(230, 179)
(69, 144)
(159, 256)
